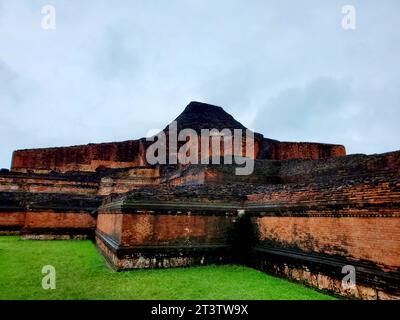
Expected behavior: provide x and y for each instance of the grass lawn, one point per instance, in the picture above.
(82, 274)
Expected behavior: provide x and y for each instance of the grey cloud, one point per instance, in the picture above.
(304, 112)
(334, 111)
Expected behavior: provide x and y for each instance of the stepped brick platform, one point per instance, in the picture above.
(306, 211)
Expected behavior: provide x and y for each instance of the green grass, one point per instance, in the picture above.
(82, 274)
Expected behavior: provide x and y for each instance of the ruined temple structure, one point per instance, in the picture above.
(305, 212)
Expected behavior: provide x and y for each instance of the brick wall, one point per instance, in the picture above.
(11, 222)
(45, 184)
(81, 158)
(159, 230)
(370, 238)
(303, 150)
(327, 214)
(111, 225)
(131, 236)
(48, 224)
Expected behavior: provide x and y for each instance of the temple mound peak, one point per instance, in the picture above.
(198, 115)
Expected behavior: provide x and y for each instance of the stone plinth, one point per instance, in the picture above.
(154, 234)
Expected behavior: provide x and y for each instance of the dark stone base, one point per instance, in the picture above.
(10, 230)
(325, 272)
(152, 257)
(57, 234)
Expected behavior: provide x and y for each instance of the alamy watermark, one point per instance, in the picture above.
(349, 21)
(49, 21)
(49, 280)
(349, 280)
(237, 148)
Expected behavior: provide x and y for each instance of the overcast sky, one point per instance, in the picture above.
(112, 70)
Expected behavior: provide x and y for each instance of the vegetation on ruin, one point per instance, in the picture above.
(81, 273)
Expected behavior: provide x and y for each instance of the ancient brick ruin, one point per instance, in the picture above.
(306, 211)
